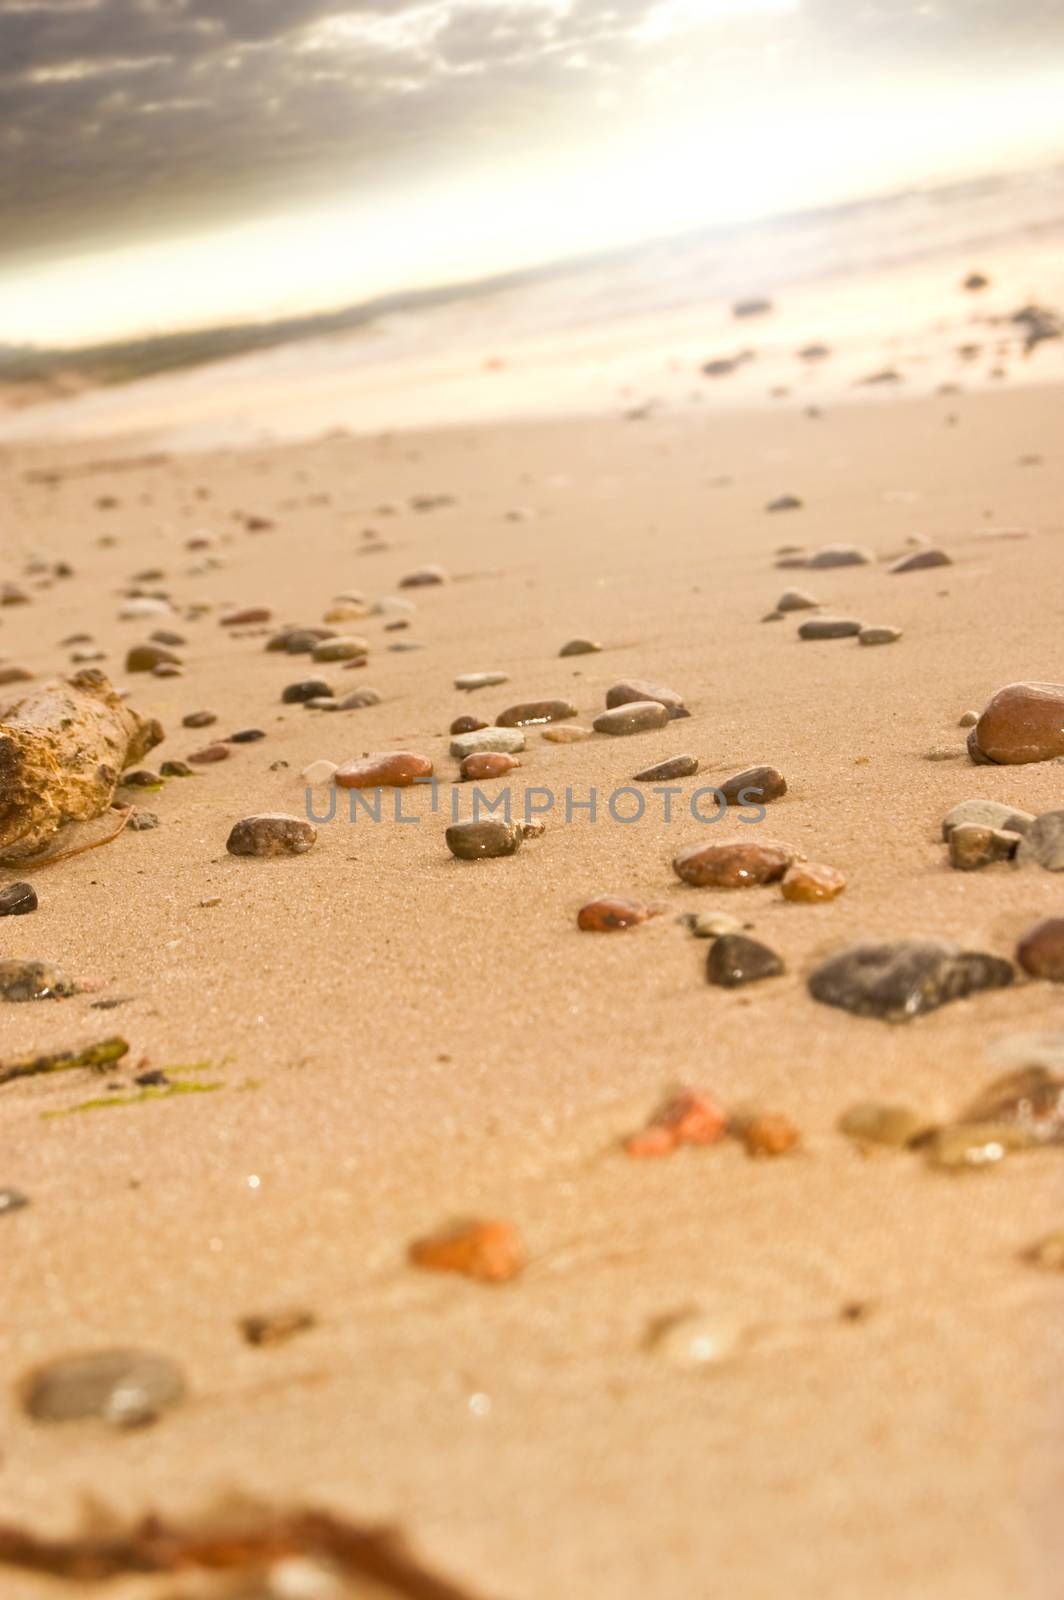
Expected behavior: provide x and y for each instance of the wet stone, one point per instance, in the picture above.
(839, 555)
(16, 899)
(675, 767)
(199, 719)
(306, 689)
(1041, 950)
(580, 647)
(271, 833)
(384, 769)
(829, 628)
(735, 959)
(638, 716)
(34, 980)
(919, 560)
(904, 978)
(490, 1252)
(342, 649)
(358, 700)
(125, 1388)
(510, 741)
(480, 680)
(146, 657)
(567, 733)
(635, 690)
(467, 724)
(878, 635)
(875, 1122)
(1023, 722)
(985, 814)
(176, 769)
(795, 600)
(689, 1116)
(810, 882)
(972, 847)
(610, 914)
(12, 1200)
(488, 837)
(734, 864)
(484, 765)
(530, 712)
(1043, 842)
(753, 787)
(210, 754)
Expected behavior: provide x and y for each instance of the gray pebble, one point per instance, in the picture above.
(507, 740)
(676, 767)
(121, 1387)
(341, 649)
(359, 699)
(488, 837)
(480, 680)
(839, 555)
(986, 814)
(639, 716)
(904, 978)
(1044, 842)
(920, 559)
(829, 628)
(878, 635)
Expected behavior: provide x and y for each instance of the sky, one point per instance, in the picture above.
(165, 163)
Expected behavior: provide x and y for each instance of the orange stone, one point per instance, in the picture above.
(768, 1134)
(1023, 722)
(807, 881)
(734, 864)
(609, 914)
(491, 1252)
(487, 764)
(687, 1118)
(386, 769)
(1041, 950)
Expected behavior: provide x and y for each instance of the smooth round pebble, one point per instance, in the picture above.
(385, 769)
(807, 882)
(121, 1387)
(637, 716)
(271, 833)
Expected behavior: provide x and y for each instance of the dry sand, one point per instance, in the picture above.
(401, 1038)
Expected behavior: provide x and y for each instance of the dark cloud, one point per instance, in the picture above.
(121, 118)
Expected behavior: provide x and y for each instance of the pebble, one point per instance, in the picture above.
(146, 657)
(276, 1327)
(1044, 842)
(486, 764)
(122, 1387)
(490, 1252)
(735, 959)
(768, 1133)
(567, 733)
(358, 700)
(143, 606)
(711, 924)
(12, 1200)
(675, 767)
(210, 753)
(271, 833)
(248, 617)
(384, 769)
(534, 711)
(166, 669)
(199, 719)
(829, 628)
(734, 864)
(972, 846)
(784, 502)
(795, 600)
(168, 637)
(142, 821)
(1048, 1252)
(1030, 1100)
(985, 814)
(904, 978)
(34, 980)
(697, 1339)
(580, 647)
(344, 648)
(306, 689)
(1023, 722)
(755, 785)
(297, 641)
(610, 914)
(488, 837)
(1041, 950)
(687, 1117)
(423, 577)
(319, 772)
(467, 724)
(918, 560)
(247, 736)
(510, 741)
(10, 675)
(839, 555)
(969, 1147)
(968, 719)
(346, 611)
(636, 690)
(480, 680)
(637, 716)
(876, 1122)
(16, 899)
(879, 635)
(808, 882)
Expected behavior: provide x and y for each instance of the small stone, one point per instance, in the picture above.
(1047, 1253)
(510, 741)
(480, 680)
(829, 628)
(1041, 950)
(166, 669)
(176, 769)
(143, 606)
(971, 846)
(34, 980)
(968, 719)
(467, 724)
(579, 647)
(198, 719)
(697, 1339)
(687, 1117)
(610, 914)
(784, 502)
(142, 821)
(943, 752)
(711, 924)
(297, 641)
(342, 649)
(358, 700)
(490, 1252)
(423, 577)
(567, 733)
(734, 864)
(970, 1147)
(878, 635)
(1023, 722)
(795, 600)
(1030, 1100)
(9, 675)
(917, 560)
(675, 767)
(874, 1122)
(248, 617)
(485, 838)
(985, 814)
(247, 736)
(808, 882)
(16, 899)
(535, 711)
(1044, 842)
(904, 978)
(839, 555)
(271, 833)
(276, 1327)
(319, 772)
(768, 1133)
(307, 689)
(146, 657)
(735, 959)
(384, 769)
(12, 1200)
(636, 690)
(484, 765)
(345, 611)
(638, 716)
(168, 637)
(209, 754)
(753, 787)
(122, 1387)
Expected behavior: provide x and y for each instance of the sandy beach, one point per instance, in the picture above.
(392, 1038)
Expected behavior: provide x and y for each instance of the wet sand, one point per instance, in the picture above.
(399, 1038)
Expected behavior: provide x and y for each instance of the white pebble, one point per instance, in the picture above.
(699, 1339)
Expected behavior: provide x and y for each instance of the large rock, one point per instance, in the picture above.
(1024, 722)
(904, 978)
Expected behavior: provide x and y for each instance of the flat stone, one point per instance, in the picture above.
(675, 767)
(839, 555)
(735, 959)
(809, 882)
(530, 712)
(1023, 722)
(734, 863)
(295, 694)
(1043, 842)
(918, 560)
(16, 899)
(874, 1122)
(904, 978)
(385, 769)
(423, 577)
(486, 837)
(247, 617)
(247, 736)
(636, 690)
(753, 786)
(567, 733)
(1041, 950)
(271, 833)
(796, 600)
(122, 1387)
(829, 628)
(483, 765)
(879, 635)
(199, 719)
(344, 648)
(480, 680)
(580, 647)
(34, 980)
(986, 814)
(637, 716)
(209, 754)
(972, 846)
(510, 741)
